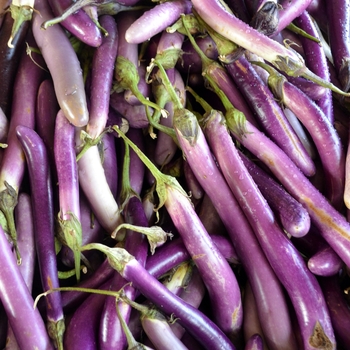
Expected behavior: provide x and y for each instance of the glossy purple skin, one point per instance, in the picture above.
(26, 245)
(26, 85)
(79, 24)
(9, 59)
(253, 259)
(225, 297)
(63, 64)
(338, 308)
(43, 212)
(26, 322)
(201, 327)
(316, 60)
(331, 224)
(269, 113)
(289, 11)
(289, 266)
(102, 76)
(325, 137)
(325, 263)
(294, 217)
(155, 20)
(338, 14)
(66, 165)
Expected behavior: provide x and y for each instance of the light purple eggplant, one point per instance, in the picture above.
(79, 24)
(200, 326)
(293, 216)
(63, 64)
(156, 20)
(290, 268)
(290, 10)
(101, 77)
(325, 263)
(260, 273)
(322, 132)
(4, 126)
(26, 85)
(43, 213)
(26, 245)
(226, 24)
(26, 322)
(68, 186)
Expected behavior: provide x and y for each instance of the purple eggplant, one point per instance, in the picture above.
(43, 211)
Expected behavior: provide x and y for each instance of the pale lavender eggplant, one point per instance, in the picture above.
(338, 308)
(269, 113)
(43, 213)
(9, 59)
(101, 77)
(254, 343)
(159, 331)
(63, 64)
(155, 20)
(93, 182)
(262, 278)
(325, 263)
(199, 325)
(79, 24)
(26, 322)
(13, 165)
(338, 14)
(289, 266)
(293, 216)
(26, 245)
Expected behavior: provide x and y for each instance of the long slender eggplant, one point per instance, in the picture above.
(26, 85)
(289, 266)
(43, 211)
(200, 326)
(26, 322)
(63, 64)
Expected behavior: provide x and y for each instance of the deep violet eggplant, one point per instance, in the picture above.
(43, 212)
